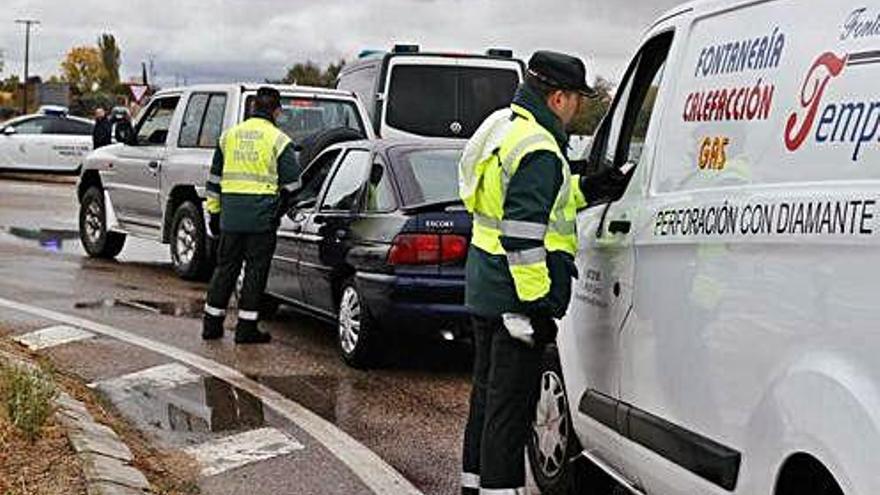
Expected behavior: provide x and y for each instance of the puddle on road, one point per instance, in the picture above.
(53, 240)
(206, 406)
(67, 241)
(189, 308)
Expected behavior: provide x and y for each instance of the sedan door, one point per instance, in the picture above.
(326, 234)
(25, 146)
(70, 142)
(285, 274)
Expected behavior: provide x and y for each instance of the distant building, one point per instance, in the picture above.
(53, 93)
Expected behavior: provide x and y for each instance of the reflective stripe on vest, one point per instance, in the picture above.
(528, 267)
(250, 157)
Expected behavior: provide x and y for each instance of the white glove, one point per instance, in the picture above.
(519, 327)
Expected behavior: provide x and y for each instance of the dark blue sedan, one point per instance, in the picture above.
(377, 242)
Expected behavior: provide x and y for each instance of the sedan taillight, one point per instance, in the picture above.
(427, 249)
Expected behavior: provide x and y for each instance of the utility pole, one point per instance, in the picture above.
(27, 49)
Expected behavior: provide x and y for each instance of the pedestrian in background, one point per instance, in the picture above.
(102, 131)
(254, 163)
(515, 180)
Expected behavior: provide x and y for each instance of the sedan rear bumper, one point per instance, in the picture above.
(416, 304)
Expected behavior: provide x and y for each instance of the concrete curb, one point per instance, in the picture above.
(105, 459)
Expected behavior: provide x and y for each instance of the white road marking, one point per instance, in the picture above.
(380, 477)
(52, 336)
(165, 376)
(223, 454)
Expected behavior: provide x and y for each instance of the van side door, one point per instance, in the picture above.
(590, 342)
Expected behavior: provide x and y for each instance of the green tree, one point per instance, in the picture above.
(332, 73)
(310, 74)
(591, 113)
(83, 69)
(110, 56)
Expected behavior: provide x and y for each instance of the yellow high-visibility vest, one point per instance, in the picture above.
(487, 164)
(250, 160)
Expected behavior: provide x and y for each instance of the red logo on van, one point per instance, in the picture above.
(826, 67)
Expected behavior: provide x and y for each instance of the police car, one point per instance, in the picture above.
(50, 140)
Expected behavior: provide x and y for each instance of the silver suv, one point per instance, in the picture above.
(151, 184)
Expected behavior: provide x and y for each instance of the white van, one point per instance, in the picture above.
(409, 93)
(724, 333)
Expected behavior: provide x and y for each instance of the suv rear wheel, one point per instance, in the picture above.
(93, 234)
(190, 250)
(553, 449)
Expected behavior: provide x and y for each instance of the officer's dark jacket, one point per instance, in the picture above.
(530, 196)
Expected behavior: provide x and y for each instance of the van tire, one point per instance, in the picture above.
(190, 247)
(97, 241)
(311, 146)
(565, 472)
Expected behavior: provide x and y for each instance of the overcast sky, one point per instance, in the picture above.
(239, 40)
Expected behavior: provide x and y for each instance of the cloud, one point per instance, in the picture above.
(214, 40)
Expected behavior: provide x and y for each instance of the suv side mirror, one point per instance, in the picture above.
(9, 131)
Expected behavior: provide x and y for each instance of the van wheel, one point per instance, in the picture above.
(553, 449)
(93, 234)
(356, 328)
(190, 252)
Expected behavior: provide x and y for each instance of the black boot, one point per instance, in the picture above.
(246, 332)
(212, 327)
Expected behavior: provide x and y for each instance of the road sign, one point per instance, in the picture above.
(138, 91)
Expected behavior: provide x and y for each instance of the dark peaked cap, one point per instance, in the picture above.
(561, 71)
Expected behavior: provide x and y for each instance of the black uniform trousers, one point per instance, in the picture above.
(256, 251)
(503, 399)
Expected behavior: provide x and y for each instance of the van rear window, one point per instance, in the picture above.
(484, 90)
(446, 100)
(422, 99)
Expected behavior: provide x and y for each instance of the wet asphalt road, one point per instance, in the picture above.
(410, 412)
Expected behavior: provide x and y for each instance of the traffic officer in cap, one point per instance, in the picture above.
(254, 165)
(516, 181)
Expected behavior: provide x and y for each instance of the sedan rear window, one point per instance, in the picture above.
(301, 117)
(428, 176)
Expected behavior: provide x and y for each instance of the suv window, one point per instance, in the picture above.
(304, 116)
(154, 126)
(347, 182)
(482, 91)
(192, 120)
(202, 121)
(212, 124)
(622, 134)
(380, 190)
(36, 125)
(422, 99)
(70, 127)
